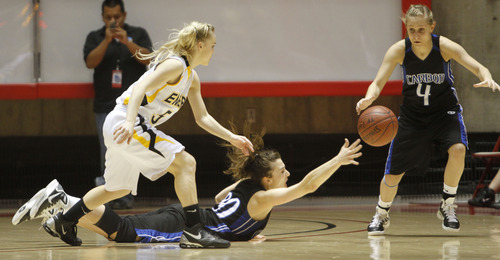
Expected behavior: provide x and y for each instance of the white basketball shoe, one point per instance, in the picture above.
(44, 204)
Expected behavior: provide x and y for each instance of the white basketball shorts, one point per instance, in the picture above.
(149, 153)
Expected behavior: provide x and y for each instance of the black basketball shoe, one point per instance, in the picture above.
(484, 198)
(65, 230)
(379, 223)
(198, 237)
(447, 214)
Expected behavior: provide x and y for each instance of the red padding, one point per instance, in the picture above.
(47, 90)
(297, 89)
(19, 91)
(65, 90)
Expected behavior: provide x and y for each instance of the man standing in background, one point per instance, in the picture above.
(110, 52)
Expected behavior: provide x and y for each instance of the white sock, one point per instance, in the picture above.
(450, 190)
(382, 205)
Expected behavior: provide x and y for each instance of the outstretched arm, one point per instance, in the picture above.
(209, 124)
(264, 201)
(453, 50)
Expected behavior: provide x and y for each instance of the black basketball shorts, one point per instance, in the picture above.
(410, 151)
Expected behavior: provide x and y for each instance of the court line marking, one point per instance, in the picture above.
(328, 227)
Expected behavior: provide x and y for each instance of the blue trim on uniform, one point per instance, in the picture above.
(389, 159)
(407, 45)
(404, 75)
(154, 236)
(448, 73)
(435, 42)
(243, 224)
(463, 129)
(221, 228)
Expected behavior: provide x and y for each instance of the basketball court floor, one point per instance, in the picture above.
(307, 229)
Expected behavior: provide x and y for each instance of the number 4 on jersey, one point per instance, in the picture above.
(426, 94)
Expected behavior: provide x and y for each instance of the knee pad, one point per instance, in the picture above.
(109, 221)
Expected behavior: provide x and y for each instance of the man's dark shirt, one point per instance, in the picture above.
(116, 54)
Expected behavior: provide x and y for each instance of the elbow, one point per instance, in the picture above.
(200, 121)
(310, 188)
(90, 65)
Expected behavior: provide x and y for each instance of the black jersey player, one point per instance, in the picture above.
(430, 112)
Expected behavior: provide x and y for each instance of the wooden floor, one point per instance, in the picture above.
(294, 232)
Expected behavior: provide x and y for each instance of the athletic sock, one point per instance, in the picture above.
(192, 215)
(76, 212)
(449, 192)
(384, 205)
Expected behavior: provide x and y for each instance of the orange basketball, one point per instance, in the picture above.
(377, 126)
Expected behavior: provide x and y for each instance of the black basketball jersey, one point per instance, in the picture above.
(232, 211)
(427, 84)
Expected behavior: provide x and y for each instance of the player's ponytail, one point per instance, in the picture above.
(180, 43)
(255, 166)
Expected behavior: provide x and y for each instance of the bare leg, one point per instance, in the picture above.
(93, 217)
(183, 168)
(389, 187)
(99, 196)
(495, 183)
(455, 165)
(388, 190)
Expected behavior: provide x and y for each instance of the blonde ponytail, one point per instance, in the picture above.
(180, 43)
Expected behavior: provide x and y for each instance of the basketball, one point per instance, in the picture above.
(377, 126)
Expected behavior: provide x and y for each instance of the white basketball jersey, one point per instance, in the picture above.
(161, 104)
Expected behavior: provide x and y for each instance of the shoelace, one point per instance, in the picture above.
(378, 218)
(50, 212)
(449, 211)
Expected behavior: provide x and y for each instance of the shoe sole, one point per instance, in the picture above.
(187, 244)
(196, 245)
(379, 233)
(376, 233)
(43, 203)
(445, 228)
(22, 213)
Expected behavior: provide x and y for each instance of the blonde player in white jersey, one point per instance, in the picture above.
(135, 146)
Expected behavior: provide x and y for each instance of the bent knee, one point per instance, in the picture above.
(183, 163)
(392, 180)
(457, 150)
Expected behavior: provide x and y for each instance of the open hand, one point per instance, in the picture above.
(489, 83)
(124, 132)
(348, 152)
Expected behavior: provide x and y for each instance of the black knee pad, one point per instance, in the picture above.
(109, 221)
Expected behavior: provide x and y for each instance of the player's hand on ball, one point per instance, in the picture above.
(124, 132)
(363, 104)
